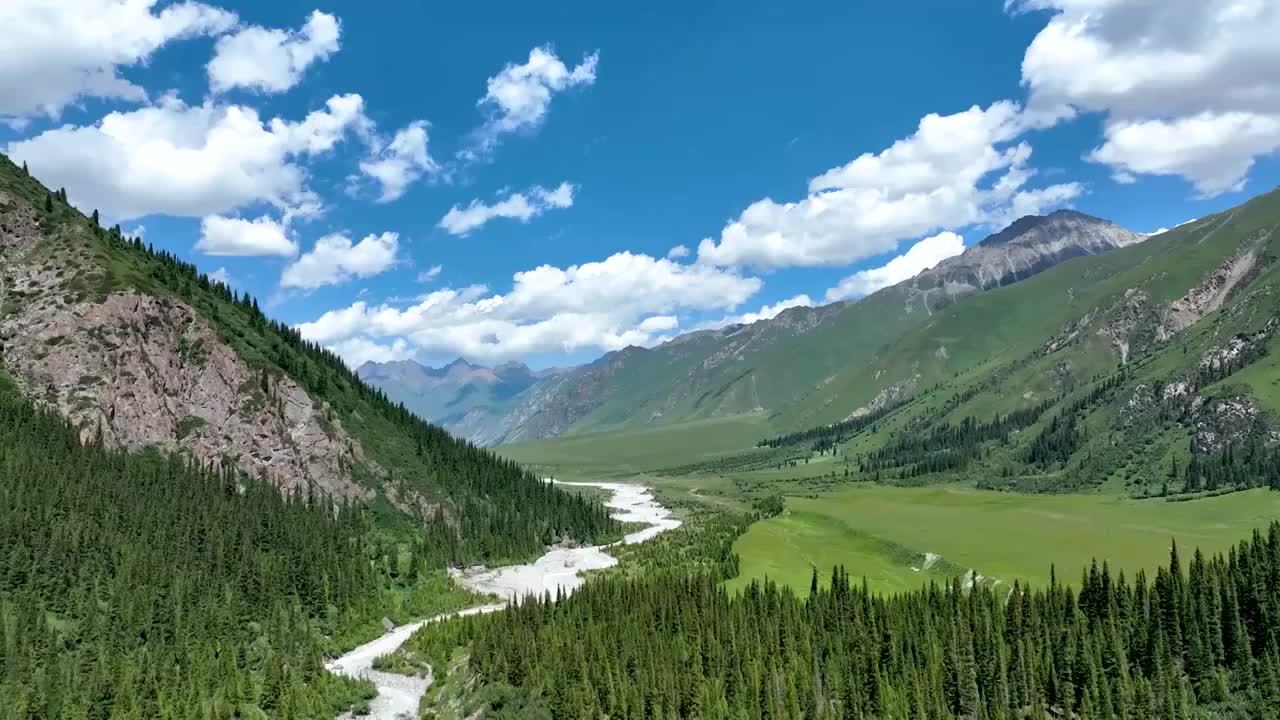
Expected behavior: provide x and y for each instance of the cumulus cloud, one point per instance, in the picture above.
(335, 260)
(58, 53)
(677, 252)
(766, 312)
(270, 60)
(1189, 86)
(358, 351)
(955, 170)
(221, 275)
(198, 160)
(919, 257)
(430, 274)
(1213, 151)
(239, 237)
(398, 164)
(187, 159)
(518, 97)
(521, 206)
(626, 299)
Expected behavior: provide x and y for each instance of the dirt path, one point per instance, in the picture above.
(562, 568)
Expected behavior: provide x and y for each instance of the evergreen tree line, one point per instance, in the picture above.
(1188, 643)
(1062, 437)
(141, 586)
(948, 447)
(826, 437)
(1237, 466)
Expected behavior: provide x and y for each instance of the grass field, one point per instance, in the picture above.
(637, 452)
(874, 532)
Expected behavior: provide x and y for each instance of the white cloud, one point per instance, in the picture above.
(398, 164)
(919, 257)
(221, 275)
(522, 207)
(677, 252)
(334, 260)
(626, 299)
(658, 324)
(1213, 151)
(1033, 202)
(519, 96)
(239, 237)
(1189, 86)
(955, 170)
(56, 53)
(766, 312)
(188, 160)
(271, 60)
(430, 274)
(357, 351)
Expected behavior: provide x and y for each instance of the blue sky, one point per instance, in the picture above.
(785, 147)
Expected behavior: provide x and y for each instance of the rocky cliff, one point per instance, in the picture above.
(142, 371)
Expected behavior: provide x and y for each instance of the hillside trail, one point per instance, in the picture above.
(558, 569)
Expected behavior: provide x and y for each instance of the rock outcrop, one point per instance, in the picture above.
(142, 371)
(1028, 246)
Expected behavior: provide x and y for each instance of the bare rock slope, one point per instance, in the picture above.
(142, 371)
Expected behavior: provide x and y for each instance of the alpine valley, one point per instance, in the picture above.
(662, 361)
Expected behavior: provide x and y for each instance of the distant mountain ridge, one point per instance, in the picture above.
(448, 394)
(792, 368)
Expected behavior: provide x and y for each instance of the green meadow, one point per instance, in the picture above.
(878, 532)
(640, 452)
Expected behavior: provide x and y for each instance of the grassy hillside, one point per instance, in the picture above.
(1092, 396)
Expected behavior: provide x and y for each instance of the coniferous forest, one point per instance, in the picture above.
(148, 586)
(139, 586)
(1199, 640)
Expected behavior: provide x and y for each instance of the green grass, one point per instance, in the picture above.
(638, 452)
(872, 531)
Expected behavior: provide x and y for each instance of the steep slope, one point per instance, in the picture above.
(139, 350)
(771, 366)
(1152, 372)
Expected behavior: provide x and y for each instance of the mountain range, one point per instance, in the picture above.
(776, 367)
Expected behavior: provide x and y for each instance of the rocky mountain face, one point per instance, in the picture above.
(138, 370)
(1028, 246)
(141, 371)
(770, 364)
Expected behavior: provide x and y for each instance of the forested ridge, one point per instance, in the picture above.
(140, 586)
(494, 510)
(149, 586)
(1194, 641)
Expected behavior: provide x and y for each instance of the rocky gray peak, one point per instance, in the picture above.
(1026, 247)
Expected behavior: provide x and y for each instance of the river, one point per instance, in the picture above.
(559, 568)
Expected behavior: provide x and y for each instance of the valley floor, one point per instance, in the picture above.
(559, 571)
(902, 537)
(883, 532)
